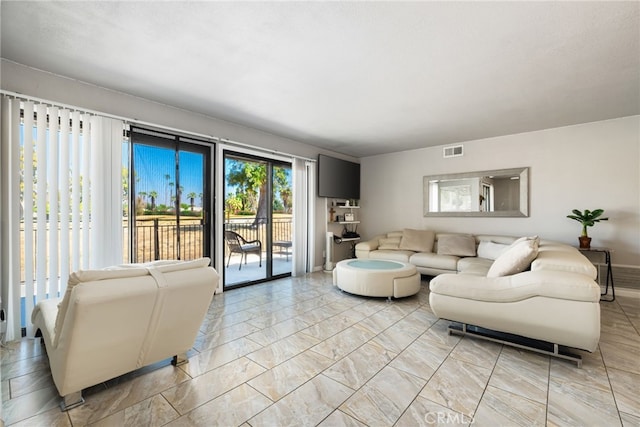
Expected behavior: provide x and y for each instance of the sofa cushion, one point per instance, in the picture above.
(456, 244)
(391, 254)
(389, 243)
(475, 266)
(515, 259)
(369, 245)
(518, 287)
(417, 240)
(434, 261)
(491, 250)
(495, 238)
(558, 258)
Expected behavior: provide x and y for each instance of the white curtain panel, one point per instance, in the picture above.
(61, 201)
(303, 218)
(311, 214)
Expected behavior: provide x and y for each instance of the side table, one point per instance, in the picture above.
(607, 260)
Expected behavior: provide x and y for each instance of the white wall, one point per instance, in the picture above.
(606, 155)
(35, 83)
(589, 166)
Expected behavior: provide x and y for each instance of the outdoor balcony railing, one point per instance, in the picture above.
(156, 238)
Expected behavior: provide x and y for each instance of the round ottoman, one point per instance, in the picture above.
(377, 278)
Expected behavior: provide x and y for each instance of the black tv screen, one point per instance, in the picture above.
(337, 178)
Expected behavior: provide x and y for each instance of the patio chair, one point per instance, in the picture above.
(284, 247)
(238, 244)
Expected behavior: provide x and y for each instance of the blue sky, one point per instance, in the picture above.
(152, 164)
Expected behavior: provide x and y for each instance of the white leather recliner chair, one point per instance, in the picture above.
(119, 319)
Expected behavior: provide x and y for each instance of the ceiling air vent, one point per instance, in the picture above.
(453, 151)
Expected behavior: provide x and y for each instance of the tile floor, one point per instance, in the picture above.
(299, 352)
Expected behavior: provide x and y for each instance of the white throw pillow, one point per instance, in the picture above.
(514, 260)
(457, 244)
(417, 240)
(491, 250)
(525, 238)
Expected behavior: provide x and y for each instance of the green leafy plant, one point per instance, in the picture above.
(587, 218)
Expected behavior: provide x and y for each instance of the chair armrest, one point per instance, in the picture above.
(44, 317)
(253, 241)
(368, 245)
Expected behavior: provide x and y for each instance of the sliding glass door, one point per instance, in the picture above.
(257, 219)
(170, 197)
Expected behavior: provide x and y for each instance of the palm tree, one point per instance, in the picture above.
(167, 177)
(153, 194)
(192, 197)
(143, 196)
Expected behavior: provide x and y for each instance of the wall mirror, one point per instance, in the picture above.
(494, 193)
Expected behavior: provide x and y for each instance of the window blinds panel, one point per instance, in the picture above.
(65, 200)
(113, 197)
(303, 216)
(75, 190)
(11, 214)
(98, 206)
(107, 225)
(86, 187)
(27, 202)
(54, 194)
(41, 160)
(48, 200)
(311, 213)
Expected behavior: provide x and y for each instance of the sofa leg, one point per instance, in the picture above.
(538, 346)
(179, 359)
(71, 400)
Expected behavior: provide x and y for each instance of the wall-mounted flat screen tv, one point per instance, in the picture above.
(337, 178)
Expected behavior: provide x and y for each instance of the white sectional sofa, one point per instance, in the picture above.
(116, 320)
(527, 287)
(424, 250)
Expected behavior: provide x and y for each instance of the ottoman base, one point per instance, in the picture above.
(377, 278)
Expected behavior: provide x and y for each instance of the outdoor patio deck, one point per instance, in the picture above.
(252, 271)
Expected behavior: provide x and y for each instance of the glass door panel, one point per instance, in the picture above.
(191, 196)
(257, 225)
(245, 219)
(169, 195)
(282, 224)
(153, 217)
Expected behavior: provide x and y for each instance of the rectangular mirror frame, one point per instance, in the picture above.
(523, 211)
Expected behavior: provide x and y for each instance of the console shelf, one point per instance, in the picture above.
(339, 247)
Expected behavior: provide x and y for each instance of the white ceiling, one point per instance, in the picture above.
(360, 78)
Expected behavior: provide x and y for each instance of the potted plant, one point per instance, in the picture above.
(587, 219)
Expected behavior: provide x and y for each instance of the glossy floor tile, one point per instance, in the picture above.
(298, 352)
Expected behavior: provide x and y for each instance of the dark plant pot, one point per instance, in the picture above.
(585, 242)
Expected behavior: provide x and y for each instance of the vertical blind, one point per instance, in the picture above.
(303, 216)
(61, 201)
